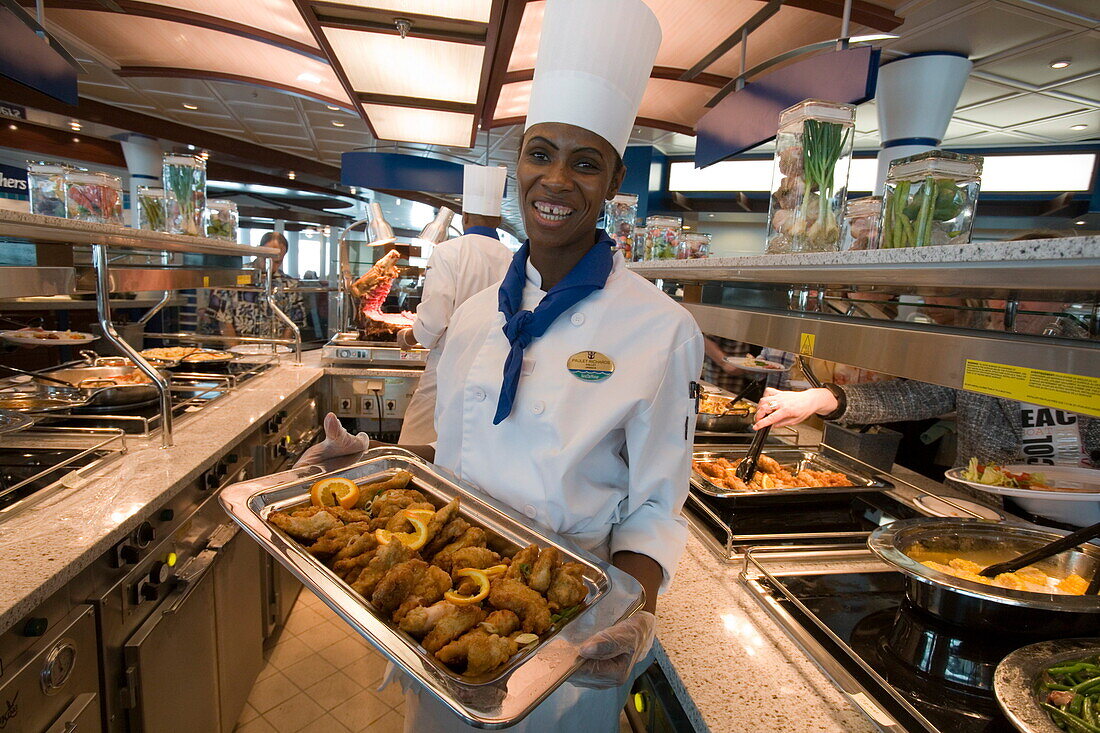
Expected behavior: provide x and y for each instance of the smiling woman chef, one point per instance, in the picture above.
(565, 391)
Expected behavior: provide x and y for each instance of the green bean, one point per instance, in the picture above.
(1088, 685)
(1076, 705)
(1088, 713)
(1072, 720)
(1055, 686)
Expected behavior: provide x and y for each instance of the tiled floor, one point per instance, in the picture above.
(321, 678)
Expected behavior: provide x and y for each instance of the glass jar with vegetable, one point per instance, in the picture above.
(184, 179)
(693, 246)
(94, 197)
(862, 218)
(813, 152)
(619, 215)
(110, 198)
(47, 188)
(929, 199)
(152, 210)
(222, 220)
(662, 237)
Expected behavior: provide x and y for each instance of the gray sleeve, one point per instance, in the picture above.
(895, 400)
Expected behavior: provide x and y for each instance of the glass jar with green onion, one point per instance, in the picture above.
(813, 152)
(929, 199)
(184, 178)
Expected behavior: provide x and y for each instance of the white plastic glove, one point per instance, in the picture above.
(406, 340)
(338, 442)
(613, 652)
(780, 409)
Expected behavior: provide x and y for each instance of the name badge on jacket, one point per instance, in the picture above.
(590, 366)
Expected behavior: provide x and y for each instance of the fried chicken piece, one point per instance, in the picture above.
(397, 584)
(522, 563)
(368, 491)
(398, 523)
(451, 531)
(539, 577)
(482, 652)
(567, 586)
(338, 538)
(512, 595)
(767, 464)
(392, 501)
(502, 623)
(303, 525)
(350, 567)
(474, 557)
(433, 583)
(363, 543)
(387, 557)
(348, 516)
(472, 537)
(442, 517)
(441, 623)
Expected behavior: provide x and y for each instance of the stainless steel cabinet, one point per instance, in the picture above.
(240, 637)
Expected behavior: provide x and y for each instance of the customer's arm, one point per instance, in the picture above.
(861, 404)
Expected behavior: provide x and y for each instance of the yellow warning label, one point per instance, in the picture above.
(806, 344)
(1072, 392)
(206, 281)
(244, 279)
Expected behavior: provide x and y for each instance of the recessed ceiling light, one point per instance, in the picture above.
(1078, 127)
(74, 125)
(76, 139)
(290, 175)
(711, 215)
(309, 77)
(1059, 64)
(1080, 222)
(13, 127)
(187, 105)
(190, 147)
(336, 123)
(333, 107)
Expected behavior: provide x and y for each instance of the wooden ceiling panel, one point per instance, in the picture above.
(420, 125)
(279, 17)
(475, 10)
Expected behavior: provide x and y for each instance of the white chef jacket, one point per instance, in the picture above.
(457, 269)
(604, 462)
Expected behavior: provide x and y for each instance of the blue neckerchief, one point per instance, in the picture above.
(483, 231)
(521, 327)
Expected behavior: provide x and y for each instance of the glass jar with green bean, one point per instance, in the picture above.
(930, 199)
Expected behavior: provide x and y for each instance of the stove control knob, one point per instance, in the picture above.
(145, 591)
(166, 515)
(232, 458)
(35, 627)
(144, 534)
(128, 554)
(159, 573)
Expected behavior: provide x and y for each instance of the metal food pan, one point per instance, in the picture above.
(497, 700)
(789, 458)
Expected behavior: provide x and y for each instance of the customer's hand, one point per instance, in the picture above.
(613, 652)
(338, 442)
(779, 409)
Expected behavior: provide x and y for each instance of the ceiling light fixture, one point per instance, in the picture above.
(1059, 63)
(403, 25)
(205, 155)
(74, 125)
(13, 127)
(190, 147)
(188, 105)
(76, 139)
(333, 107)
(1078, 127)
(290, 175)
(336, 123)
(1080, 222)
(309, 77)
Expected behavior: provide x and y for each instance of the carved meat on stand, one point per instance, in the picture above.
(372, 289)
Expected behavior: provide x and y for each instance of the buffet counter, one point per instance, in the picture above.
(731, 666)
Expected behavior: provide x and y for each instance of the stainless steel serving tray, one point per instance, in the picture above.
(496, 701)
(799, 457)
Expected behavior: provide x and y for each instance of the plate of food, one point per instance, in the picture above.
(1068, 494)
(1051, 686)
(756, 365)
(459, 591)
(44, 337)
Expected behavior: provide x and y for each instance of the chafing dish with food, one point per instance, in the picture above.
(100, 385)
(719, 413)
(909, 543)
(795, 461)
(508, 693)
(171, 357)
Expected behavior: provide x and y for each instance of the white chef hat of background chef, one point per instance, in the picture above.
(482, 188)
(594, 61)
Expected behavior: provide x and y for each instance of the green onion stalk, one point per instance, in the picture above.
(822, 145)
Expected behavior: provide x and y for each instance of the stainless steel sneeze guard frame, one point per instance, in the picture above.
(504, 699)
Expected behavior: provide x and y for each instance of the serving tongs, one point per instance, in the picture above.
(63, 383)
(746, 469)
(1070, 541)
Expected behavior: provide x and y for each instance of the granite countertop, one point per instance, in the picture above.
(48, 544)
(993, 253)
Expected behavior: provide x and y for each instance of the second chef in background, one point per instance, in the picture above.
(457, 269)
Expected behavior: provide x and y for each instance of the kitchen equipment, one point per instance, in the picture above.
(813, 152)
(746, 469)
(196, 357)
(30, 403)
(1070, 541)
(97, 385)
(878, 448)
(508, 695)
(346, 348)
(985, 607)
(1075, 500)
(620, 213)
(930, 199)
(1015, 683)
(41, 377)
(795, 459)
(13, 422)
(734, 418)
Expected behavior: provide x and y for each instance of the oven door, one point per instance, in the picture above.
(54, 685)
(171, 660)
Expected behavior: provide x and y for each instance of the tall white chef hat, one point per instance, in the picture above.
(594, 61)
(482, 188)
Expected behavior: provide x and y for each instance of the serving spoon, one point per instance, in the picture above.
(1068, 542)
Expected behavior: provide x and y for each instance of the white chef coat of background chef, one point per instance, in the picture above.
(457, 269)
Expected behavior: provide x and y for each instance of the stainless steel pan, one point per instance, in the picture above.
(97, 386)
(508, 695)
(792, 458)
(977, 605)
